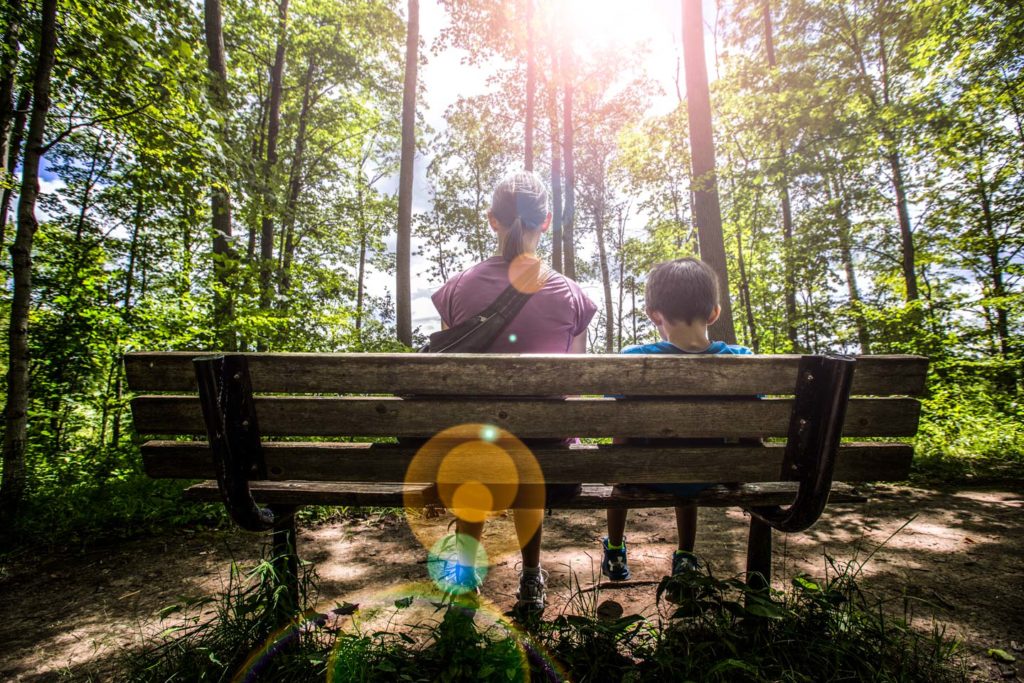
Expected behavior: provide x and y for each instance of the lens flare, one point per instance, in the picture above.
(524, 274)
(477, 471)
(457, 550)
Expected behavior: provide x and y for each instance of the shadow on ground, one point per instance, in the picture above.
(958, 557)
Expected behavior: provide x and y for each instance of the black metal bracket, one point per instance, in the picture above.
(815, 429)
(225, 392)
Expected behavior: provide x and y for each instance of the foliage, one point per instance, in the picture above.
(243, 633)
(968, 431)
(719, 630)
(872, 152)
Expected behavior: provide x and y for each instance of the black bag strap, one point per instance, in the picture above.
(508, 304)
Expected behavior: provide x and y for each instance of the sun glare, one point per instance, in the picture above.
(613, 23)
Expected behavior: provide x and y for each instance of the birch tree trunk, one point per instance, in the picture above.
(403, 294)
(16, 412)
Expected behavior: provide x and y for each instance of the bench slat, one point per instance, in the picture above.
(507, 375)
(364, 462)
(592, 497)
(302, 416)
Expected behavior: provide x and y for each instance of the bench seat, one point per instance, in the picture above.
(593, 496)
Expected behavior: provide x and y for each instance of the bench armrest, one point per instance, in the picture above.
(225, 392)
(815, 429)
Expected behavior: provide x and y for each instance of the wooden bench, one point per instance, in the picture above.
(269, 416)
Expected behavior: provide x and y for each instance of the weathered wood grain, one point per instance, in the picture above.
(511, 375)
(592, 497)
(627, 464)
(525, 418)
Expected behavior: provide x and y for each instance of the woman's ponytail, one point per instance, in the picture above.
(520, 203)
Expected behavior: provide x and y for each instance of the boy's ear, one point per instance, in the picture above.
(547, 223)
(714, 315)
(657, 318)
(492, 221)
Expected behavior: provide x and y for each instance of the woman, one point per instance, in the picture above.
(553, 320)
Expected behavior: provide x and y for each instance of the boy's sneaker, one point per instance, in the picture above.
(614, 564)
(684, 562)
(530, 598)
(458, 579)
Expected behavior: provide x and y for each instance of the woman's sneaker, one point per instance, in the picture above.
(614, 564)
(530, 598)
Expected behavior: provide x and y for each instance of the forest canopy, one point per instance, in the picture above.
(225, 175)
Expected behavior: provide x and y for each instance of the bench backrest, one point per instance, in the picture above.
(303, 396)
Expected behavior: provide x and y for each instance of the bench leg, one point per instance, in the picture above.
(759, 554)
(286, 559)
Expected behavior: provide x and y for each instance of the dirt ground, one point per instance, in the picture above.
(69, 615)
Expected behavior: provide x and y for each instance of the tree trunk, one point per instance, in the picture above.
(906, 234)
(789, 279)
(269, 171)
(556, 168)
(13, 154)
(256, 152)
(531, 84)
(569, 210)
(360, 285)
(16, 412)
(606, 282)
(403, 295)
(620, 241)
(8, 74)
(996, 271)
(745, 301)
(845, 235)
(220, 195)
(707, 213)
(295, 185)
(129, 286)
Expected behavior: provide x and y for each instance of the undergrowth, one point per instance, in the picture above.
(705, 628)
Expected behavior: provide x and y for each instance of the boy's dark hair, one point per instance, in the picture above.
(683, 290)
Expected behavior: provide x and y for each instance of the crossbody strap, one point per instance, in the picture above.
(515, 301)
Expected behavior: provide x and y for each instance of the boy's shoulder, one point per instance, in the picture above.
(657, 347)
(720, 348)
(716, 348)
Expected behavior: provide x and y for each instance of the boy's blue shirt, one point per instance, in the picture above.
(717, 348)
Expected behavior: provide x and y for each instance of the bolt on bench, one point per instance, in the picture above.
(241, 403)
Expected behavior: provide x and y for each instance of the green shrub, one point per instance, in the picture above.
(969, 431)
(717, 630)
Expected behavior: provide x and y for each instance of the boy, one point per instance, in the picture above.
(682, 301)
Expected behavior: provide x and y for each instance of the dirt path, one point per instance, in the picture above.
(67, 616)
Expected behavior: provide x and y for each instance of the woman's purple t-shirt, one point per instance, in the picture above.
(548, 323)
